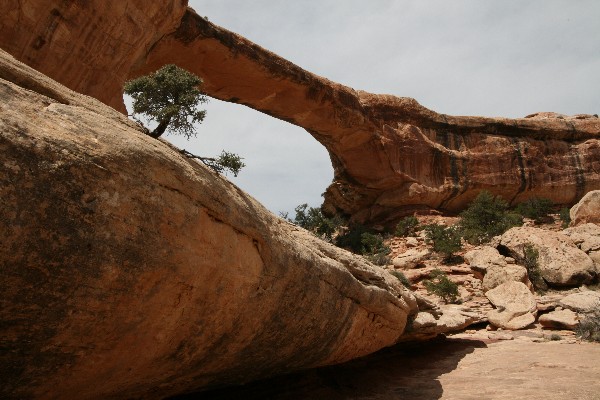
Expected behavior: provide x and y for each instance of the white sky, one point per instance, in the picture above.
(504, 58)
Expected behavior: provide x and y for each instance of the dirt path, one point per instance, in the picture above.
(459, 368)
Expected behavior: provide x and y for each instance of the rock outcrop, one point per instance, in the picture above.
(128, 270)
(560, 262)
(587, 210)
(391, 156)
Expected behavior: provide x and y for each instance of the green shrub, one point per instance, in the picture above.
(589, 327)
(530, 262)
(402, 278)
(407, 226)
(444, 240)
(312, 219)
(441, 286)
(565, 217)
(536, 208)
(360, 241)
(487, 216)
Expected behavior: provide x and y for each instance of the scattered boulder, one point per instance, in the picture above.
(587, 209)
(582, 302)
(559, 319)
(515, 306)
(411, 241)
(560, 261)
(586, 236)
(411, 258)
(497, 275)
(549, 301)
(483, 258)
(495, 267)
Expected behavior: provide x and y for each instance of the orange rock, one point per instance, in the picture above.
(391, 156)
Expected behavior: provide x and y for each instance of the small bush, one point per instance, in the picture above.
(312, 219)
(402, 278)
(555, 337)
(444, 240)
(487, 216)
(360, 241)
(441, 286)
(530, 262)
(589, 327)
(565, 216)
(536, 208)
(407, 226)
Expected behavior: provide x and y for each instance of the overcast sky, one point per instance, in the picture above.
(504, 58)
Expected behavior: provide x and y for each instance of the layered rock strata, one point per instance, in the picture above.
(391, 156)
(130, 271)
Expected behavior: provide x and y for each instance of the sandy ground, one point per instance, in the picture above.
(463, 367)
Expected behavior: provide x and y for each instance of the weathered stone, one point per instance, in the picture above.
(585, 236)
(560, 261)
(391, 156)
(483, 258)
(587, 209)
(411, 242)
(411, 258)
(516, 306)
(497, 275)
(559, 319)
(130, 271)
(548, 301)
(582, 302)
(452, 318)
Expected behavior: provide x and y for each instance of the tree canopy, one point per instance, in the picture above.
(170, 97)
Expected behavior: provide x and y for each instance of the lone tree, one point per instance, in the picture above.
(170, 97)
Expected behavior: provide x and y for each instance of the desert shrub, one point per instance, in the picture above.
(407, 226)
(360, 240)
(565, 216)
(312, 219)
(589, 327)
(536, 208)
(402, 278)
(487, 216)
(443, 239)
(555, 337)
(440, 285)
(530, 262)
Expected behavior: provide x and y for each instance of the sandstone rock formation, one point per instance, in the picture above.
(391, 156)
(582, 302)
(559, 319)
(128, 270)
(516, 306)
(490, 262)
(587, 210)
(560, 261)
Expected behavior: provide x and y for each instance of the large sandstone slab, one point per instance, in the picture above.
(391, 156)
(560, 261)
(515, 306)
(130, 271)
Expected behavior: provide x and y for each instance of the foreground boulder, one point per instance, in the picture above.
(515, 306)
(559, 319)
(587, 210)
(582, 302)
(497, 270)
(560, 261)
(391, 156)
(128, 270)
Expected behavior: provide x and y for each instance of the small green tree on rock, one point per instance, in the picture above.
(441, 286)
(444, 239)
(170, 97)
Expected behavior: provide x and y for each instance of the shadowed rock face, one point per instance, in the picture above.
(391, 156)
(129, 271)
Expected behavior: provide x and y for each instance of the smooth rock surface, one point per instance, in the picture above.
(587, 210)
(482, 258)
(560, 261)
(391, 156)
(515, 306)
(130, 271)
(582, 302)
(497, 275)
(559, 319)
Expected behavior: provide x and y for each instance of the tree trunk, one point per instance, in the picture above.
(160, 129)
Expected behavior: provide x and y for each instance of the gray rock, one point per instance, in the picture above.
(411, 258)
(582, 302)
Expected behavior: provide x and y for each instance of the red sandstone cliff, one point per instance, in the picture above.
(391, 156)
